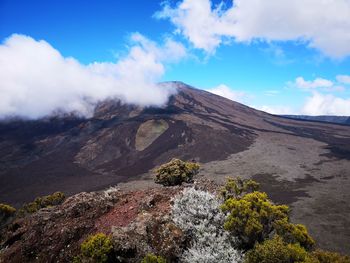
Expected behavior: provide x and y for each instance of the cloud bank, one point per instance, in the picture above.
(300, 82)
(323, 25)
(224, 91)
(36, 80)
(281, 110)
(326, 104)
(344, 79)
(320, 84)
(315, 105)
(320, 101)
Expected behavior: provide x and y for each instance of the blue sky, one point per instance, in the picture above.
(239, 51)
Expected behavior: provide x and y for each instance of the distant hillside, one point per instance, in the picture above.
(324, 118)
(304, 164)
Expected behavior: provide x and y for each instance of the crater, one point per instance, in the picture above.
(148, 132)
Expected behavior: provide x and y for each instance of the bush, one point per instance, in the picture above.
(176, 172)
(151, 258)
(6, 214)
(42, 202)
(198, 214)
(292, 233)
(51, 200)
(329, 257)
(236, 187)
(6, 210)
(276, 250)
(97, 248)
(251, 218)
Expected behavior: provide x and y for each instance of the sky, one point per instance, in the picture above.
(280, 56)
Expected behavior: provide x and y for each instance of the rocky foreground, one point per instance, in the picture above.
(193, 222)
(138, 221)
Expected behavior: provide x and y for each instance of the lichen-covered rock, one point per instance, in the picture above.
(149, 233)
(53, 234)
(138, 223)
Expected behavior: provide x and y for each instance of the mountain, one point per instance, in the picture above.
(322, 118)
(301, 163)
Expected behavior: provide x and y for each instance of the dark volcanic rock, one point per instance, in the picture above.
(72, 155)
(53, 234)
(138, 221)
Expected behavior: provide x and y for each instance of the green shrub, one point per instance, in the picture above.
(151, 258)
(6, 210)
(276, 250)
(54, 199)
(176, 172)
(294, 233)
(42, 202)
(97, 248)
(236, 187)
(329, 257)
(251, 218)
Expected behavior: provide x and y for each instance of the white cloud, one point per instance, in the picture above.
(345, 79)
(224, 91)
(196, 19)
(279, 110)
(37, 80)
(319, 104)
(321, 101)
(317, 83)
(323, 25)
(300, 82)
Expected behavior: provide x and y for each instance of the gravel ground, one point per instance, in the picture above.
(302, 174)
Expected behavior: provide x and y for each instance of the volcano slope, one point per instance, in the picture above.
(305, 164)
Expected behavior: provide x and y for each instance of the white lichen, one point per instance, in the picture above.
(110, 192)
(198, 214)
